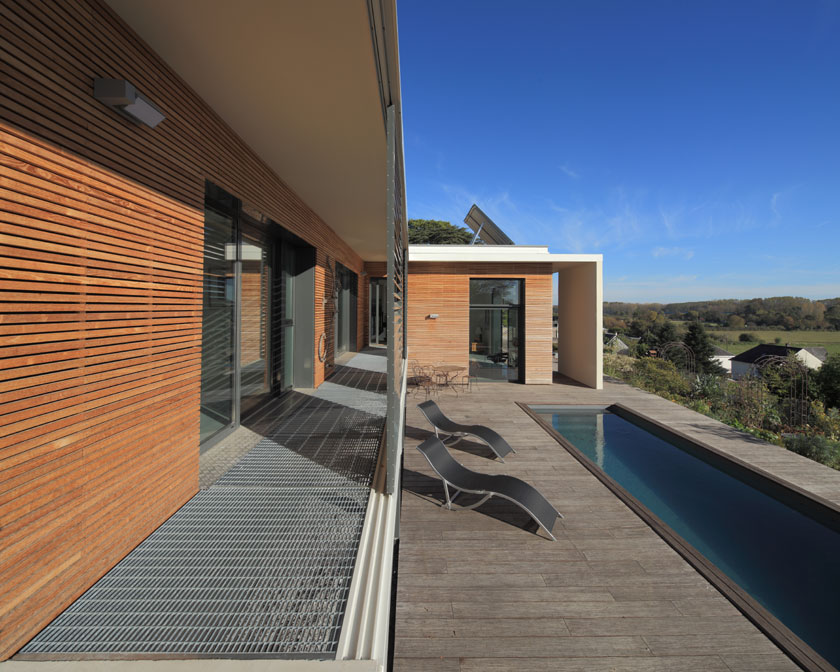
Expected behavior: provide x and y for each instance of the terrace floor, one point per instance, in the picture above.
(477, 591)
(259, 562)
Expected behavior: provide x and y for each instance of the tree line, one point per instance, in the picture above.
(778, 312)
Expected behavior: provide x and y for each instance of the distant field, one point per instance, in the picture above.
(830, 340)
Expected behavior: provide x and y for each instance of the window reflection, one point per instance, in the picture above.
(495, 326)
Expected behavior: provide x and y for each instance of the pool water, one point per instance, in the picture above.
(786, 560)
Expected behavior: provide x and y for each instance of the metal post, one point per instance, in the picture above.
(395, 283)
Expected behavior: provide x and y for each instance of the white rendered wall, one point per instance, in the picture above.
(580, 323)
(809, 360)
(724, 361)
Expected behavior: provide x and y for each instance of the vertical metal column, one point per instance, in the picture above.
(397, 240)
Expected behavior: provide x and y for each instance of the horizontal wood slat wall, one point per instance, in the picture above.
(444, 289)
(101, 244)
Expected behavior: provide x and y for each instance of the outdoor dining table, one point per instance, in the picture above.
(448, 372)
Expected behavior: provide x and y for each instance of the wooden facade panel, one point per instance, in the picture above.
(101, 262)
(254, 294)
(323, 318)
(443, 289)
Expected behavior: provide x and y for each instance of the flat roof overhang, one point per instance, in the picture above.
(300, 83)
(498, 254)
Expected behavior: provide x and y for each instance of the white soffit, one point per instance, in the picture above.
(298, 82)
(514, 254)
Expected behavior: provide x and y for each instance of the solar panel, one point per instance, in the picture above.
(485, 228)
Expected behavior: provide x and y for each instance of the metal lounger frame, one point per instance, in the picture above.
(436, 453)
(453, 430)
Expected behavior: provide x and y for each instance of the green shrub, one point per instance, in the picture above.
(660, 376)
(817, 448)
(747, 338)
(700, 406)
(824, 421)
(707, 386)
(827, 381)
(618, 366)
(746, 403)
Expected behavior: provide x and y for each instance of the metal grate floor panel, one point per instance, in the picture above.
(259, 562)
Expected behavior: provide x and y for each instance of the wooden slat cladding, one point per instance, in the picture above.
(100, 315)
(444, 289)
(101, 244)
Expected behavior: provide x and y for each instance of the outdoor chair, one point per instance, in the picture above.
(450, 432)
(424, 379)
(462, 382)
(459, 478)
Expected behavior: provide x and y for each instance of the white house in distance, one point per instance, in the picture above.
(723, 358)
(745, 363)
(614, 343)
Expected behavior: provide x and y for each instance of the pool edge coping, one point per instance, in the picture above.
(792, 645)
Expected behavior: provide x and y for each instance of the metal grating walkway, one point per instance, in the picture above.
(259, 562)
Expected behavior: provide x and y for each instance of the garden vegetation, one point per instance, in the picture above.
(762, 406)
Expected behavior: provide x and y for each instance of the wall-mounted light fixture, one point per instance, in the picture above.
(432, 316)
(123, 97)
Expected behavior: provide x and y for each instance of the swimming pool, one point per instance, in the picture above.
(779, 547)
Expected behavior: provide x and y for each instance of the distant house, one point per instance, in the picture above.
(613, 343)
(723, 359)
(818, 352)
(745, 363)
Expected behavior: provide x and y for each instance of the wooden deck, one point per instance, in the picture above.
(478, 591)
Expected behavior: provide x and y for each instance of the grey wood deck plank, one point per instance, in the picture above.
(479, 591)
(482, 627)
(520, 647)
(741, 642)
(599, 664)
(752, 662)
(498, 595)
(658, 626)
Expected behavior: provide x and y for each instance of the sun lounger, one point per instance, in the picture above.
(452, 430)
(459, 478)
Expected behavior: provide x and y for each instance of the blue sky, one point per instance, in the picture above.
(695, 144)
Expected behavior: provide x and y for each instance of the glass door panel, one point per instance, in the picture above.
(218, 324)
(495, 351)
(345, 309)
(510, 337)
(254, 320)
(488, 361)
(284, 317)
(378, 318)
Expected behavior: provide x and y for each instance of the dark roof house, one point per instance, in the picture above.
(745, 363)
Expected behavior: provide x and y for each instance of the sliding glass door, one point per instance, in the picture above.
(284, 316)
(258, 318)
(346, 297)
(378, 313)
(496, 315)
(218, 323)
(254, 316)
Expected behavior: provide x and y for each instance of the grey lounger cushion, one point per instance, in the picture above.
(441, 423)
(462, 479)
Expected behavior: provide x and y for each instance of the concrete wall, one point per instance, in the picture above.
(580, 323)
